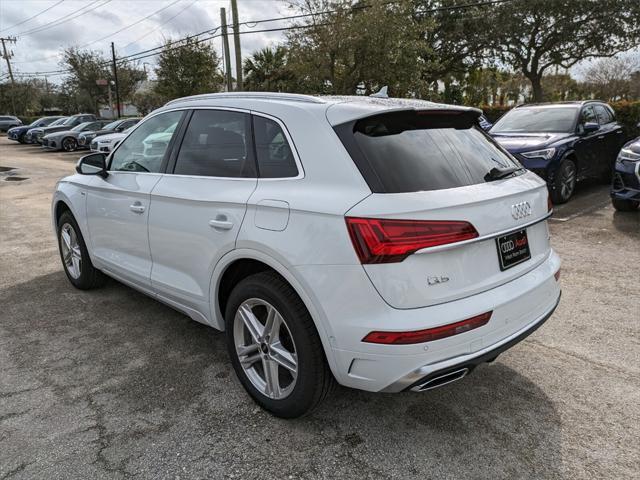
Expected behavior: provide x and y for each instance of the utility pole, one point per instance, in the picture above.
(236, 44)
(115, 77)
(7, 57)
(225, 47)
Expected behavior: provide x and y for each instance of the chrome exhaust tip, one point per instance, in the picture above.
(441, 380)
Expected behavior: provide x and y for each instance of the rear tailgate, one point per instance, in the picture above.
(449, 272)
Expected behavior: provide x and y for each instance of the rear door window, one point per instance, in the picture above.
(217, 144)
(411, 152)
(604, 116)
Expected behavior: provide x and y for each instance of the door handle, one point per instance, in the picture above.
(600, 137)
(221, 224)
(137, 208)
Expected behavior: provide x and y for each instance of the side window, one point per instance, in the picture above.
(144, 149)
(216, 144)
(273, 152)
(588, 115)
(604, 116)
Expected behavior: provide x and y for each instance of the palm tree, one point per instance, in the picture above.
(266, 70)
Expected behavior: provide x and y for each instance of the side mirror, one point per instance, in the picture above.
(590, 127)
(93, 164)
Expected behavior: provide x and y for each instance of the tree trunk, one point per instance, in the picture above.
(536, 87)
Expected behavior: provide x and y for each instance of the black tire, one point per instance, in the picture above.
(69, 144)
(90, 277)
(625, 205)
(562, 183)
(314, 379)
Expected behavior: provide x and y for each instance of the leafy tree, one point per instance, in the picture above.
(535, 35)
(266, 70)
(147, 100)
(187, 68)
(355, 48)
(89, 66)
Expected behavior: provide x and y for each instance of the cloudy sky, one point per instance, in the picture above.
(44, 27)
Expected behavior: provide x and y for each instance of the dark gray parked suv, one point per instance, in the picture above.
(7, 122)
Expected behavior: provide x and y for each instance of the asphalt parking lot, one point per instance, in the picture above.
(111, 384)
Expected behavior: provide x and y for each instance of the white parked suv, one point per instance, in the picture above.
(388, 244)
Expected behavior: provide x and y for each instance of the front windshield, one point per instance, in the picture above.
(111, 126)
(68, 121)
(60, 121)
(79, 128)
(537, 119)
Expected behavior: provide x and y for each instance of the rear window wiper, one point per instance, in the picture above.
(498, 173)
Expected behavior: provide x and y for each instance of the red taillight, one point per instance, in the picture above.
(557, 275)
(386, 241)
(429, 334)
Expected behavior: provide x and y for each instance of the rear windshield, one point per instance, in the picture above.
(412, 152)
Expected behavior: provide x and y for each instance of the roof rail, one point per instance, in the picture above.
(292, 97)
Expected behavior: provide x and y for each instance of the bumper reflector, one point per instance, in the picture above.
(429, 334)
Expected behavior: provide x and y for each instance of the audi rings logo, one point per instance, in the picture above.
(520, 210)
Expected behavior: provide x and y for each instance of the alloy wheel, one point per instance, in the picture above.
(568, 179)
(68, 144)
(265, 348)
(71, 253)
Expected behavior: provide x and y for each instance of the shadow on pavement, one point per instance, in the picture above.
(149, 382)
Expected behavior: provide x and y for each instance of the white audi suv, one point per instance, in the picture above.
(385, 244)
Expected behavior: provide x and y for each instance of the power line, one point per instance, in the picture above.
(66, 18)
(32, 17)
(161, 25)
(130, 25)
(157, 50)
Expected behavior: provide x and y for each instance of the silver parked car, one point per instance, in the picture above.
(7, 122)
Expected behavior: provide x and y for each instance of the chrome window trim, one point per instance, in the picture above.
(482, 238)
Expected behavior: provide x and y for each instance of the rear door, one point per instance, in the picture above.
(611, 135)
(590, 147)
(197, 208)
(465, 233)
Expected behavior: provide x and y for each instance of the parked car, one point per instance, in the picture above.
(67, 140)
(30, 136)
(117, 126)
(625, 188)
(106, 143)
(18, 133)
(389, 244)
(562, 142)
(7, 122)
(70, 122)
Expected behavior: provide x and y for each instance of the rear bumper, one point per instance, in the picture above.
(467, 363)
(351, 308)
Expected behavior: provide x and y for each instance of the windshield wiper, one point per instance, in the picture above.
(498, 173)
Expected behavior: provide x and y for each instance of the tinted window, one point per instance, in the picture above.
(5, 118)
(533, 119)
(604, 116)
(145, 148)
(273, 152)
(403, 152)
(588, 115)
(216, 144)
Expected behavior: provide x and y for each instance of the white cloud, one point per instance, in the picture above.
(40, 51)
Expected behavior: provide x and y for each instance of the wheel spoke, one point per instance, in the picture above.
(75, 261)
(283, 357)
(252, 324)
(66, 238)
(271, 377)
(272, 325)
(248, 355)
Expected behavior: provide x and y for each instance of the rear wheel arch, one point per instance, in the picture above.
(248, 262)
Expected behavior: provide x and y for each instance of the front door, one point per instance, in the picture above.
(589, 146)
(197, 210)
(118, 205)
